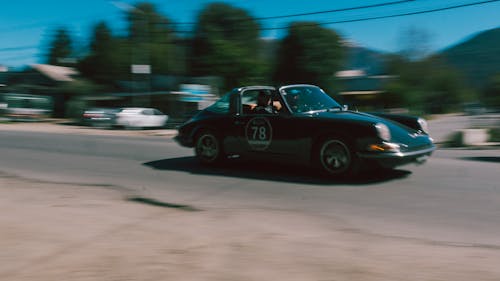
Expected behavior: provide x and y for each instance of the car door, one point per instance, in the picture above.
(264, 133)
(146, 117)
(159, 118)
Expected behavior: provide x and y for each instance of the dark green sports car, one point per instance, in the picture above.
(302, 124)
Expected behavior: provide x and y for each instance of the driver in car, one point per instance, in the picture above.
(264, 105)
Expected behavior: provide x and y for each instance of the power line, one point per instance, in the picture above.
(373, 17)
(419, 12)
(392, 16)
(22, 48)
(336, 10)
(17, 58)
(37, 25)
(313, 13)
(44, 24)
(329, 22)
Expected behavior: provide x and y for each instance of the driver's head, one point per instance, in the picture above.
(263, 99)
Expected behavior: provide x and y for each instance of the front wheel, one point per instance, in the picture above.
(208, 148)
(336, 158)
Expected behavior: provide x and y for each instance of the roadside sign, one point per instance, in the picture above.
(140, 69)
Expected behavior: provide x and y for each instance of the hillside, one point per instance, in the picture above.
(478, 58)
(368, 60)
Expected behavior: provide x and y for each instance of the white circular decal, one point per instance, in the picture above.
(259, 133)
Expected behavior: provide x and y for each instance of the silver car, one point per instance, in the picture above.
(99, 117)
(140, 117)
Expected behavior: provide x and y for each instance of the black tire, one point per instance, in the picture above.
(208, 148)
(335, 157)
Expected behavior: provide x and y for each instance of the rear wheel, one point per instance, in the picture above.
(208, 148)
(335, 157)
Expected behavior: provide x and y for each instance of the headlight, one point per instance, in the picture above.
(383, 131)
(423, 125)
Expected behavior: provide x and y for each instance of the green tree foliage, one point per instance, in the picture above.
(60, 48)
(226, 44)
(152, 40)
(427, 85)
(79, 87)
(309, 54)
(491, 95)
(107, 60)
(73, 91)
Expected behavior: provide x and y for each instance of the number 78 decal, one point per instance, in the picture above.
(259, 133)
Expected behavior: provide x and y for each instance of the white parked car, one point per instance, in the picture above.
(140, 117)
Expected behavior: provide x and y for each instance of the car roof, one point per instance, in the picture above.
(101, 109)
(297, 85)
(256, 88)
(136, 108)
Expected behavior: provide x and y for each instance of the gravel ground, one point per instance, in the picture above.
(61, 231)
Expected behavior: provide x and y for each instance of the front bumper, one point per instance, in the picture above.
(184, 140)
(398, 158)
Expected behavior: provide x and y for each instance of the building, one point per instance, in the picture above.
(363, 90)
(40, 80)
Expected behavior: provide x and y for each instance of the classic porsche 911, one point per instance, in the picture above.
(302, 124)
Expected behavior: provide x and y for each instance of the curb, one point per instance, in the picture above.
(62, 127)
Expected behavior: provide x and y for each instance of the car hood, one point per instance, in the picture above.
(360, 117)
(399, 133)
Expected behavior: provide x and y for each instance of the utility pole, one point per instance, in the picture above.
(140, 57)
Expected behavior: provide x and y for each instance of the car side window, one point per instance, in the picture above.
(249, 101)
(148, 112)
(259, 101)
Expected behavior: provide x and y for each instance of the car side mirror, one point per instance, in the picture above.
(345, 107)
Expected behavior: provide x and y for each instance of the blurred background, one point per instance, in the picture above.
(423, 57)
(82, 203)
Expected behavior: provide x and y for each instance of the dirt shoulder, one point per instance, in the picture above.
(61, 231)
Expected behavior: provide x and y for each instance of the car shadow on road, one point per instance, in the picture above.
(273, 172)
(492, 159)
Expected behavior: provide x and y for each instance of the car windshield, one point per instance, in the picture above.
(308, 98)
(221, 105)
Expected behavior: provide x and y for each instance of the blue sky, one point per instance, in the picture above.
(26, 25)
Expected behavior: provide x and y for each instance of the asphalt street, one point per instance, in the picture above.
(453, 199)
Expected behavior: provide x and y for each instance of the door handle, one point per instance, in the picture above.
(237, 122)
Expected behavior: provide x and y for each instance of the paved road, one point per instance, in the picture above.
(454, 199)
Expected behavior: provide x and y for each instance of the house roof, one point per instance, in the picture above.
(56, 73)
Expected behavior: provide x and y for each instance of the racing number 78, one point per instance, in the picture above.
(259, 132)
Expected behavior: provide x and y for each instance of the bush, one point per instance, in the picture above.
(495, 135)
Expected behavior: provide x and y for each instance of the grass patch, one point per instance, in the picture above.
(495, 135)
(454, 140)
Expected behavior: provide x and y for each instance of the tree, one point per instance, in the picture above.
(309, 54)
(107, 60)
(415, 43)
(226, 44)
(152, 40)
(427, 85)
(60, 48)
(491, 95)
